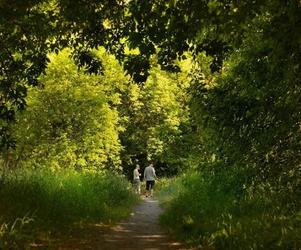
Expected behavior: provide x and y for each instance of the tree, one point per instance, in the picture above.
(72, 120)
(30, 29)
(218, 28)
(158, 127)
(249, 114)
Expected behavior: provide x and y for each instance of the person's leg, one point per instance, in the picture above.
(136, 187)
(139, 187)
(152, 188)
(147, 188)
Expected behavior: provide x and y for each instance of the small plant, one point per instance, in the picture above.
(12, 234)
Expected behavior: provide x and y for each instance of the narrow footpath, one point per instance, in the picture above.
(140, 231)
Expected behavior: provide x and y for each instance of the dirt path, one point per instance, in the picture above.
(140, 231)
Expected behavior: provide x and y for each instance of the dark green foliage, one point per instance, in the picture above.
(138, 67)
(251, 115)
(247, 194)
(24, 46)
(32, 29)
(29, 30)
(204, 210)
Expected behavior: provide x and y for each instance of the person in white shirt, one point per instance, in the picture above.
(149, 177)
(136, 177)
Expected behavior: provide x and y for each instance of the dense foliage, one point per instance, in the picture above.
(30, 29)
(247, 194)
(227, 104)
(75, 137)
(71, 120)
(98, 123)
(157, 121)
(208, 212)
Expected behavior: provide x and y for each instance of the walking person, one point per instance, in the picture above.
(150, 177)
(136, 177)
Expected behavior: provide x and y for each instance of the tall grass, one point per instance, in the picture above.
(211, 215)
(168, 188)
(41, 200)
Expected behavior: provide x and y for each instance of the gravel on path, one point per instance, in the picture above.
(140, 231)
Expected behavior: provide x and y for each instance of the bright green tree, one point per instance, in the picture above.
(72, 119)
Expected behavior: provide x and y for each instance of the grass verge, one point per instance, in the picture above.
(34, 204)
(209, 213)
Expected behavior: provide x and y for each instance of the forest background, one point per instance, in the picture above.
(208, 90)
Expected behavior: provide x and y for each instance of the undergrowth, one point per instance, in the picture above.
(40, 201)
(207, 212)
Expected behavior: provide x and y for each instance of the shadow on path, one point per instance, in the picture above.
(140, 231)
